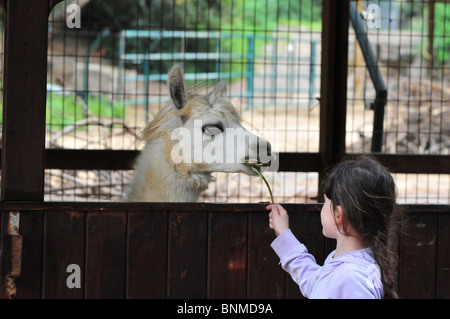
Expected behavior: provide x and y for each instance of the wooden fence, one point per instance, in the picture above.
(175, 250)
(192, 250)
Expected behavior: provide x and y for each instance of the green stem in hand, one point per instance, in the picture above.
(265, 181)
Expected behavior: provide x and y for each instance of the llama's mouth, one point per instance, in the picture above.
(256, 163)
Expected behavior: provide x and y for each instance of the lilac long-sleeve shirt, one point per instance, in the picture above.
(351, 275)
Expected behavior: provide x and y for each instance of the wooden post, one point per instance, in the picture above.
(23, 135)
(333, 91)
(24, 99)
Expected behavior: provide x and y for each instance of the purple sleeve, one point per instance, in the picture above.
(351, 282)
(296, 260)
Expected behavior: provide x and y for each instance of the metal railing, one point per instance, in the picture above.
(379, 104)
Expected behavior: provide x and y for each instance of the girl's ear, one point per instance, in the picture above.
(339, 216)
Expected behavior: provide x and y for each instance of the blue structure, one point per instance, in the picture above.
(249, 60)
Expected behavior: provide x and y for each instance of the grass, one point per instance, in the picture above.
(265, 181)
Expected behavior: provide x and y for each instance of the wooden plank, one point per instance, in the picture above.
(105, 255)
(147, 255)
(266, 279)
(187, 255)
(64, 234)
(227, 255)
(443, 257)
(145, 207)
(24, 98)
(29, 285)
(306, 226)
(417, 262)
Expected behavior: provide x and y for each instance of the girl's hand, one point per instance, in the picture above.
(278, 218)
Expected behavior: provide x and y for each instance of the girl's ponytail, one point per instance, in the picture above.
(385, 249)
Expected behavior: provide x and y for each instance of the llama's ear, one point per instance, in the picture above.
(219, 92)
(177, 86)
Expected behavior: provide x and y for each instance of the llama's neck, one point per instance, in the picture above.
(158, 179)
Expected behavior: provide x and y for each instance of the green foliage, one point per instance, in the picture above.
(415, 16)
(262, 20)
(268, 15)
(442, 32)
(64, 110)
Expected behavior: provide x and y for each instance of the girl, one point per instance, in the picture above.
(360, 212)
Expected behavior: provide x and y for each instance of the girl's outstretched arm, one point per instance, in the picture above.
(294, 256)
(278, 218)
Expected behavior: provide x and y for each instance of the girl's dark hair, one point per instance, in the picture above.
(367, 194)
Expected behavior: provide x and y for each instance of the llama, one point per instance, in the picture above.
(189, 139)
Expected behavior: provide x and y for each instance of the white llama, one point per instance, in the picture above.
(193, 136)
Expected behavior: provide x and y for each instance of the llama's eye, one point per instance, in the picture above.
(212, 129)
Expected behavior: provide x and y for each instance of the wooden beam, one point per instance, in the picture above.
(289, 162)
(25, 74)
(90, 159)
(411, 163)
(333, 91)
(124, 159)
(150, 207)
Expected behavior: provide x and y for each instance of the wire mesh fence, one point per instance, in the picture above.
(107, 79)
(412, 50)
(411, 46)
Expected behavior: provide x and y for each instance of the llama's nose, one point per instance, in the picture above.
(269, 149)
